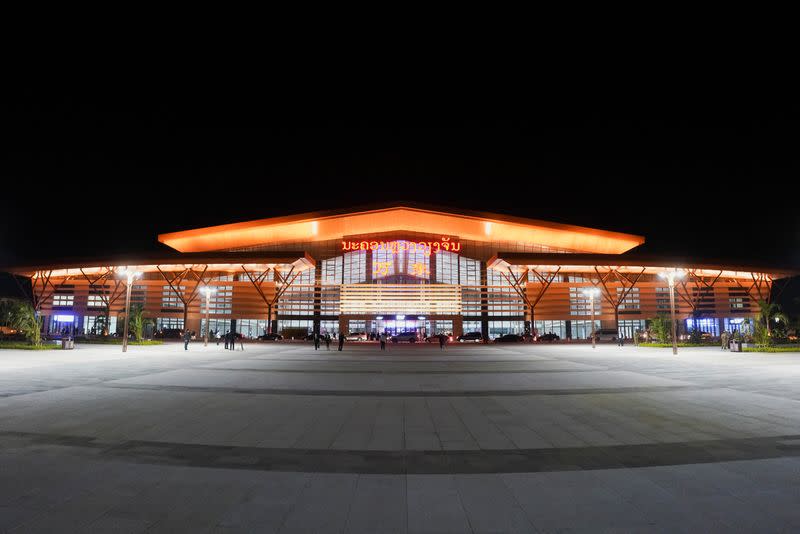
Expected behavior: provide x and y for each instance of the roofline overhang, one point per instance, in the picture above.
(189, 239)
(502, 259)
(300, 259)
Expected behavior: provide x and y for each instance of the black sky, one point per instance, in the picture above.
(95, 175)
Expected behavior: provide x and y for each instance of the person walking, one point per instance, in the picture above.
(341, 342)
(227, 338)
(383, 340)
(621, 340)
(442, 341)
(218, 336)
(186, 337)
(241, 342)
(724, 338)
(316, 341)
(328, 341)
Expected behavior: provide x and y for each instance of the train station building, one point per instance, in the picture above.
(398, 268)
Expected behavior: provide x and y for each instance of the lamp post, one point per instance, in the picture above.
(671, 276)
(130, 274)
(207, 291)
(591, 293)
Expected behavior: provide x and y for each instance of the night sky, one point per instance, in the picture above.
(100, 175)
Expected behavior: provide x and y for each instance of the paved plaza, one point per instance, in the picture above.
(480, 438)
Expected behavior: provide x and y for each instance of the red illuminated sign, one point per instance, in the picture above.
(426, 247)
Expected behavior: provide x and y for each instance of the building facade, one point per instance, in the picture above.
(398, 268)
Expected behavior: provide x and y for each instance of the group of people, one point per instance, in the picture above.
(319, 339)
(229, 337)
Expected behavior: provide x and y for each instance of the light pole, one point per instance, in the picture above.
(671, 276)
(207, 291)
(591, 293)
(131, 274)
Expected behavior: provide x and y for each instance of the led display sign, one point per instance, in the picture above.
(395, 247)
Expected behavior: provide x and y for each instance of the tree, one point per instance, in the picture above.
(768, 312)
(662, 328)
(138, 322)
(26, 321)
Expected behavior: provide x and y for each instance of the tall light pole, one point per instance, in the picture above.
(671, 276)
(207, 291)
(592, 292)
(130, 274)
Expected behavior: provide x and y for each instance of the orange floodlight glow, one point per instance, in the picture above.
(318, 227)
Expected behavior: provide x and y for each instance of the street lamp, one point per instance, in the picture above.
(130, 274)
(207, 291)
(671, 276)
(592, 292)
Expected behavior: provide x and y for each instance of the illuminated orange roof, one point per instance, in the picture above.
(468, 225)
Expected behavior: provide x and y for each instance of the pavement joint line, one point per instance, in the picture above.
(418, 461)
(381, 372)
(403, 393)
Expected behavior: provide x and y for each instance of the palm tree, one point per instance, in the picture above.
(26, 321)
(768, 312)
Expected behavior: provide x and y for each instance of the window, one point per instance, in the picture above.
(710, 326)
(662, 299)
(580, 304)
(96, 301)
(217, 325)
(355, 267)
(63, 300)
(332, 271)
(631, 302)
(628, 327)
(469, 271)
(251, 328)
(220, 302)
(583, 329)
(471, 326)
(171, 323)
(298, 299)
(501, 328)
(545, 327)
(93, 324)
(446, 268)
(169, 299)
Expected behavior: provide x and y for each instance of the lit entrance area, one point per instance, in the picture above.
(422, 326)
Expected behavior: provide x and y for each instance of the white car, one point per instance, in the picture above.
(356, 336)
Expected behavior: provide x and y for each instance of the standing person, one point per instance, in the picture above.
(341, 342)
(442, 341)
(186, 337)
(724, 339)
(621, 340)
(218, 336)
(227, 338)
(328, 341)
(316, 341)
(241, 342)
(383, 340)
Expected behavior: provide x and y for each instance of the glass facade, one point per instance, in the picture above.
(627, 327)
(556, 327)
(501, 328)
(583, 329)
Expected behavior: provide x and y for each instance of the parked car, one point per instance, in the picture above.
(550, 336)
(435, 338)
(509, 338)
(356, 336)
(270, 337)
(604, 334)
(411, 337)
(470, 337)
